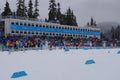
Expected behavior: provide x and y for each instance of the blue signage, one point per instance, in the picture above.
(54, 30)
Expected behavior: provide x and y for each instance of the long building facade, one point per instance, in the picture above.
(26, 27)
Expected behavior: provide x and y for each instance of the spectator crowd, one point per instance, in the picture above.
(44, 42)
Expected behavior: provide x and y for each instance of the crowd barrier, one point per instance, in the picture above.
(2, 48)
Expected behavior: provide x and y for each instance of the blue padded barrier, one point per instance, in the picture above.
(19, 74)
(66, 50)
(118, 52)
(90, 62)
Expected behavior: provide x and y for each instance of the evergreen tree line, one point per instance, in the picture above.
(32, 11)
(55, 14)
(114, 33)
(22, 10)
(92, 23)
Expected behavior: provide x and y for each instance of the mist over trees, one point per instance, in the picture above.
(113, 33)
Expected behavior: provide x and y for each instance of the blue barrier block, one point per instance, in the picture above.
(66, 50)
(90, 62)
(19, 74)
(118, 52)
(85, 48)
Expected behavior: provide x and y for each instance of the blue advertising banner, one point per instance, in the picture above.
(54, 30)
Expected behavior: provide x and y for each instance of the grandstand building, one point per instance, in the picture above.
(29, 27)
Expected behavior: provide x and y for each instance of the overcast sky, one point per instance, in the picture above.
(100, 10)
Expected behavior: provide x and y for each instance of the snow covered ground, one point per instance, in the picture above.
(61, 65)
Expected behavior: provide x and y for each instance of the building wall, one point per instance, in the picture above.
(25, 25)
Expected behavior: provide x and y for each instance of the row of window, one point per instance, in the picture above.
(57, 27)
(49, 34)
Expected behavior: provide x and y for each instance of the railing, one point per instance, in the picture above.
(3, 48)
(22, 18)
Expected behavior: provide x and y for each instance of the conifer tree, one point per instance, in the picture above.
(52, 11)
(74, 21)
(95, 24)
(58, 15)
(92, 21)
(30, 9)
(24, 9)
(36, 11)
(113, 33)
(21, 9)
(7, 11)
(70, 18)
(88, 24)
(117, 31)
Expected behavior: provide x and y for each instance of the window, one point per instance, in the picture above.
(43, 26)
(28, 24)
(25, 32)
(17, 31)
(40, 25)
(36, 32)
(21, 24)
(25, 24)
(32, 32)
(21, 31)
(16, 23)
(12, 23)
(32, 24)
(13, 32)
(59, 27)
(29, 32)
(46, 26)
(43, 33)
(46, 33)
(36, 25)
